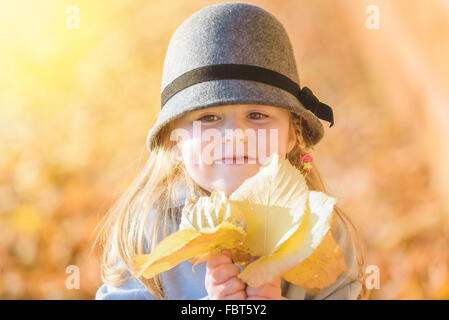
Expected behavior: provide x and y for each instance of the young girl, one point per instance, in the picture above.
(230, 99)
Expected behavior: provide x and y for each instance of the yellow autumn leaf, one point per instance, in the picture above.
(208, 212)
(273, 202)
(208, 224)
(321, 268)
(286, 221)
(185, 244)
(297, 248)
(272, 215)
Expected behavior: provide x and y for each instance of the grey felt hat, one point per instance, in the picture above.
(234, 53)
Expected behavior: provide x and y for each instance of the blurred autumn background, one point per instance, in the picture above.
(76, 105)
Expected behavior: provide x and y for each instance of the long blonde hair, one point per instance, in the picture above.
(122, 230)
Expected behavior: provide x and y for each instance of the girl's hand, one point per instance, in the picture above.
(268, 291)
(221, 278)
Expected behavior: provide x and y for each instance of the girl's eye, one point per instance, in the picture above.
(258, 115)
(209, 118)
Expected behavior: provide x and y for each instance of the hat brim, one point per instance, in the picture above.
(230, 92)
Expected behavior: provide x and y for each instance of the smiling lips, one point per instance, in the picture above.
(235, 160)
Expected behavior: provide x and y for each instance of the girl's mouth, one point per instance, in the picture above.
(235, 160)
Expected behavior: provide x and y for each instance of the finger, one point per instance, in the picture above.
(231, 286)
(223, 273)
(216, 259)
(239, 295)
(227, 253)
(276, 282)
(266, 290)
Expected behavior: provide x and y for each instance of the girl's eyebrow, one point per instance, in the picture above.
(248, 108)
(202, 112)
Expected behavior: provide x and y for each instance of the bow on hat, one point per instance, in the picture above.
(311, 102)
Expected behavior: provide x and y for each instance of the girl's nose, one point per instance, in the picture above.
(234, 129)
(242, 138)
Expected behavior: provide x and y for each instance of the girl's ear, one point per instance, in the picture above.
(291, 138)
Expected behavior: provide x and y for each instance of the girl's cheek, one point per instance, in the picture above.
(188, 153)
(267, 143)
(196, 153)
(274, 141)
(210, 150)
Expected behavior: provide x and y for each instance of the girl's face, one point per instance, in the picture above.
(222, 146)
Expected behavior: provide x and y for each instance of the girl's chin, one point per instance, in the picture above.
(227, 186)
